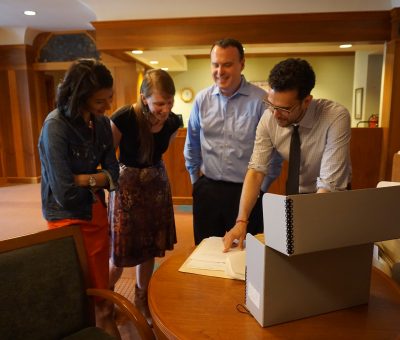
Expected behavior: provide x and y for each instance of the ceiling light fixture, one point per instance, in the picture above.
(153, 62)
(29, 12)
(345, 45)
(137, 52)
(164, 68)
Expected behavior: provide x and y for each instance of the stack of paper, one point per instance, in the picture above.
(209, 259)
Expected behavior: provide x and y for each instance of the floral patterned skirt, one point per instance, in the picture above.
(141, 216)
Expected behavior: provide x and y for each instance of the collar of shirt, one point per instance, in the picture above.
(242, 90)
(309, 117)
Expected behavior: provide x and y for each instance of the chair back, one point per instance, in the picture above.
(396, 167)
(43, 286)
(387, 253)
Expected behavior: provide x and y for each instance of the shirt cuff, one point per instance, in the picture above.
(194, 177)
(323, 184)
(111, 184)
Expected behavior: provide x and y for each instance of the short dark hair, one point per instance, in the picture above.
(292, 74)
(81, 81)
(230, 42)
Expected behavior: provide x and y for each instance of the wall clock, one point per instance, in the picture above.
(187, 94)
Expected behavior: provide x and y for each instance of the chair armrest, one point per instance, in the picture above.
(384, 255)
(396, 272)
(127, 308)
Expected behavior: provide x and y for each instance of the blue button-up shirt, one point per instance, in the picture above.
(221, 132)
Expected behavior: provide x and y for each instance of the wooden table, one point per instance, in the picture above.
(189, 306)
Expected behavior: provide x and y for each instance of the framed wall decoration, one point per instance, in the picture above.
(358, 103)
(187, 94)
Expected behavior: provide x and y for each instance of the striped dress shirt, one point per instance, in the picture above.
(325, 147)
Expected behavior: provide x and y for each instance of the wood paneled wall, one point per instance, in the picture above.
(178, 176)
(390, 120)
(365, 151)
(19, 112)
(125, 80)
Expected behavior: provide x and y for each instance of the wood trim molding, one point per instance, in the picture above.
(182, 200)
(395, 16)
(373, 26)
(23, 180)
(52, 66)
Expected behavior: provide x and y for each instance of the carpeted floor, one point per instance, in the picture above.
(20, 210)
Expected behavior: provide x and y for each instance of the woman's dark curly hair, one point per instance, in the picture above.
(292, 74)
(81, 81)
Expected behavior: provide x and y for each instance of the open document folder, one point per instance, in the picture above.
(208, 259)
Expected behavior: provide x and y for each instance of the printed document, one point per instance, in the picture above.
(209, 259)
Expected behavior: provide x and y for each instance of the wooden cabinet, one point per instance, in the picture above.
(177, 173)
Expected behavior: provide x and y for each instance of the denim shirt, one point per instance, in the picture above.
(65, 152)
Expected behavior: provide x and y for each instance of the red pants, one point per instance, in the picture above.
(96, 240)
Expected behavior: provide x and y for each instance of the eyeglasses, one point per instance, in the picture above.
(285, 111)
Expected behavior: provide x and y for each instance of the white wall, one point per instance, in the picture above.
(374, 80)
(197, 77)
(360, 82)
(368, 77)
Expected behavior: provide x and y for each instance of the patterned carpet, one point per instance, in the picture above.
(125, 286)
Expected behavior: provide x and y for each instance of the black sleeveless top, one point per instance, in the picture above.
(126, 122)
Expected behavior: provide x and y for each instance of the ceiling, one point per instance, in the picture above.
(72, 15)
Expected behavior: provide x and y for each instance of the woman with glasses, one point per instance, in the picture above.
(321, 130)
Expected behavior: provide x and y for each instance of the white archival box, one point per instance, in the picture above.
(317, 253)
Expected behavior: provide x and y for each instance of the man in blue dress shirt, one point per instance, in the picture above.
(219, 143)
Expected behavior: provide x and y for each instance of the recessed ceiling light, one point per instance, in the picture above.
(345, 45)
(137, 52)
(153, 62)
(164, 68)
(29, 12)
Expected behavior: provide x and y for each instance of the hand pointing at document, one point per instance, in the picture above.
(238, 232)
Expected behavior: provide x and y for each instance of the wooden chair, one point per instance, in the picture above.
(396, 167)
(45, 293)
(387, 253)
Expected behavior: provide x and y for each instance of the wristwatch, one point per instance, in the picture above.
(92, 181)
